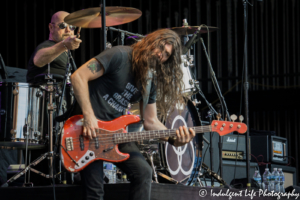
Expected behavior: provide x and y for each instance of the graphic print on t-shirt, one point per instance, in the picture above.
(120, 101)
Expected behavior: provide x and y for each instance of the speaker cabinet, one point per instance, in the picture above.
(236, 170)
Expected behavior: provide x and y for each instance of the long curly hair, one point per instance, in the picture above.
(167, 76)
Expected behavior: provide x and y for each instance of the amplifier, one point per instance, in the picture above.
(273, 148)
(234, 147)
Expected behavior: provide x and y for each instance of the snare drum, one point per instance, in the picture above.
(183, 162)
(22, 111)
(188, 81)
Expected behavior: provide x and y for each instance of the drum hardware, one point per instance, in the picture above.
(53, 93)
(187, 30)
(213, 174)
(108, 45)
(130, 40)
(57, 127)
(188, 81)
(168, 178)
(26, 131)
(123, 33)
(50, 154)
(150, 157)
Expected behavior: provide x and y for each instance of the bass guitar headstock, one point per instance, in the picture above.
(226, 127)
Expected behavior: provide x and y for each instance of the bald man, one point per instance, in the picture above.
(54, 50)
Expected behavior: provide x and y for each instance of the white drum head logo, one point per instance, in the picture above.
(179, 151)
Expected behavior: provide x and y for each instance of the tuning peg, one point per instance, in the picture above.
(233, 117)
(218, 116)
(241, 118)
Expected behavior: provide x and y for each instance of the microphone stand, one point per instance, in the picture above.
(246, 87)
(56, 130)
(214, 79)
(211, 149)
(223, 103)
(103, 25)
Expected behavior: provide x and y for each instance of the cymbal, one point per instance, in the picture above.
(91, 17)
(185, 30)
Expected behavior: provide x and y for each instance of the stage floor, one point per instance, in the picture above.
(120, 192)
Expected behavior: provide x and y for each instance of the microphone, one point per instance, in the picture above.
(188, 45)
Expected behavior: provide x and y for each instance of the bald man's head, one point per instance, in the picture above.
(59, 16)
(57, 34)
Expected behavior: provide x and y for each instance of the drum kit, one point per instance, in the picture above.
(27, 125)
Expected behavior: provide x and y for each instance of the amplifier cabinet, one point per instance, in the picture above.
(272, 149)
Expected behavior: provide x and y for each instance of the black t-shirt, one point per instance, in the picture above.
(57, 66)
(111, 93)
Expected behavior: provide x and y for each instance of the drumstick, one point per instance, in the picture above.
(78, 32)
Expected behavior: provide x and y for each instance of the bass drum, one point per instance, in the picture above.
(183, 162)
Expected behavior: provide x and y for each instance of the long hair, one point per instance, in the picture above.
(167, 76)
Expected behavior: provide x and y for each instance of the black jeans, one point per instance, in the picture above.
(136, 167)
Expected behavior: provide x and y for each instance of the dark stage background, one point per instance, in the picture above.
(273, 52)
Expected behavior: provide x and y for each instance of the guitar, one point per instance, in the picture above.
(78, 151)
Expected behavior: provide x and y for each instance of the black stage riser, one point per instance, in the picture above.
(119, 192)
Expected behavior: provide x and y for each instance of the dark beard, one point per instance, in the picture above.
(153, 62)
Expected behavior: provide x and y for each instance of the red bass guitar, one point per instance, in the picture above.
(78, 151)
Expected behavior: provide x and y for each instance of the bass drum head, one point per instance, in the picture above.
(182, 161)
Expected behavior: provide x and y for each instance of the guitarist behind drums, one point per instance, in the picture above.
(105, 85)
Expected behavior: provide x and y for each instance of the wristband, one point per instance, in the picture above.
(171, 141)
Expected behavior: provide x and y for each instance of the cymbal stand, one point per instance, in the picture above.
(59, 111)
(150, 157)
(122, 38)
(51, 108)
(25, 133)
(125, 32)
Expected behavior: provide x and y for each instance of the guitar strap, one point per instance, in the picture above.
(147, 93)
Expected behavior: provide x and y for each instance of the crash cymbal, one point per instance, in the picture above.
(185, 30)
(91, 17)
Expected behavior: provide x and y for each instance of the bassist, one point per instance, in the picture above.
(104, 86)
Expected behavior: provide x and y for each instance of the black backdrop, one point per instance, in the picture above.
(273, 53)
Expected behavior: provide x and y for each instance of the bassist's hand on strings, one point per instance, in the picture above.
(90, 126)
(184, 136)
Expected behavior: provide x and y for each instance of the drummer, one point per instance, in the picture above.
(54, 50)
